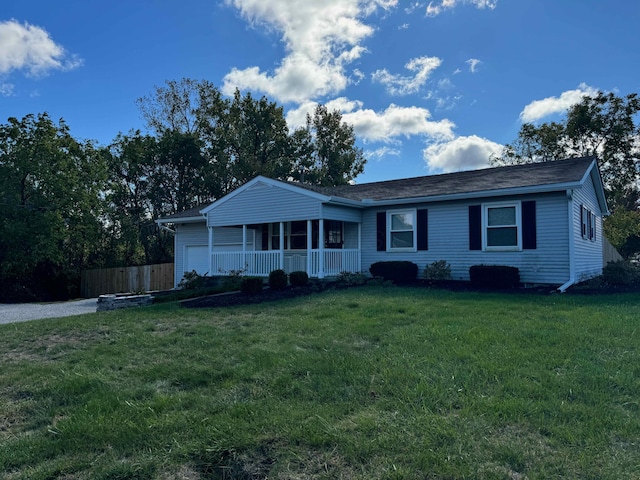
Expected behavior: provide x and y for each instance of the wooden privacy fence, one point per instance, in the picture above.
(126, 279)
(609, 253)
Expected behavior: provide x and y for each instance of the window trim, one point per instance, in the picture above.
(413, 213)
(517, 204)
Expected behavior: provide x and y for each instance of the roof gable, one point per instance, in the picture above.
(267, 181)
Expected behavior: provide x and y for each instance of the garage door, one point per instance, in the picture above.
(196, 259)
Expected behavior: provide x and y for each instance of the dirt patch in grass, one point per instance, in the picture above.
(184, 472)
(50, 348)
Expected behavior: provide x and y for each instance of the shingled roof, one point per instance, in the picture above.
(560, 172)
(497, 178)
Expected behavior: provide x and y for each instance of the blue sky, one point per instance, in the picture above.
(429, 87)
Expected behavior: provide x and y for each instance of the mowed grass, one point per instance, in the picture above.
(365, 383)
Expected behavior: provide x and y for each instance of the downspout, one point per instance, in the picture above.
(572, 261)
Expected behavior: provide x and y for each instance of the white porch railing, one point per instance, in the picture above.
(261, 263)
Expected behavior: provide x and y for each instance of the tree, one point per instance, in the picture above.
(255, 141)
(185, 106)
(603, 125)
(130, 226)
(325, 149)
(239, 138)
(622, 229)
(50, 187)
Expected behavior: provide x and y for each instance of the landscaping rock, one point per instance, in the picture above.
(114, 302)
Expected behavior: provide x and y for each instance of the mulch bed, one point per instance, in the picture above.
(239, 298)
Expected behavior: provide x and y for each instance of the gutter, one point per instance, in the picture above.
(572, 262)
(165, 228)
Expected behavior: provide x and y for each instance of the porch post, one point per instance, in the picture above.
(359, 262)
(244, 247)
(210, 251)
(309, 246)
(281, 245)
(321, 248)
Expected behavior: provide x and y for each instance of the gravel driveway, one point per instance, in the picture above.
(22, 312)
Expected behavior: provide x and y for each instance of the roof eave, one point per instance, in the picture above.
(163, 221)
(346, 201)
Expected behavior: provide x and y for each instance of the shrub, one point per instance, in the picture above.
(191, 281)
(233, 280)
(278, 279)
(620, 273)
(439, 270)
(494, 276)
(351, 279)
(298, 279)
(399, 272)
(251, 285)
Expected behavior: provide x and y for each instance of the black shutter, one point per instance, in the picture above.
(423, 229)
(265, 236)
(381, 231)
(529, 236)
(475, 227)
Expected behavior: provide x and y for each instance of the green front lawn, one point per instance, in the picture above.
(366, 383)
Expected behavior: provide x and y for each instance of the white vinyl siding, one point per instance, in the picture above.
(346, 214)
(262, 203)
(449, 240)
(192, 237)
(588, 252)
(187, 235)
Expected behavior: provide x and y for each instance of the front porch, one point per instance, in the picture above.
(317, 264)
(289, 246)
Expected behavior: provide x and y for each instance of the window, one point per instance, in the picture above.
(402, 230)
(275, 236)
(333, 234)
(298, 235)
(502, 227)
(587, 223)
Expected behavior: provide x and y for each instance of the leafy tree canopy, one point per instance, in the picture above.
(604, 125)
(50, 194)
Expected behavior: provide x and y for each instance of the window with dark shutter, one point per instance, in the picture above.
(423, 229)
(381, 231)
(529, 234)
(475, 227)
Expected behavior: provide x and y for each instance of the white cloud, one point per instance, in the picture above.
(434, 9)
(542, 108)
(379, 153)
(462, 153)
(399, 85)
(320, 38)
(359, 76)
(415, 5)
(6, 89)
(28, 48)
(473, 64)
(395, 122)
(386, 126)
